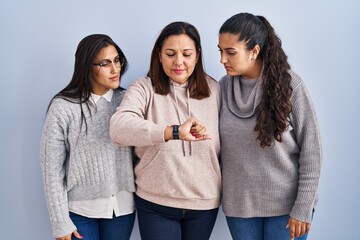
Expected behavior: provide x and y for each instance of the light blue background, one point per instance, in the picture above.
(38, 41)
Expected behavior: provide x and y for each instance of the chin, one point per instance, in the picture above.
(229, 74)
(179, 81)
(115, 86)
(232, 73)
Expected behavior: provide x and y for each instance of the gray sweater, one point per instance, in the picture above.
(272, 181)
(80, 166)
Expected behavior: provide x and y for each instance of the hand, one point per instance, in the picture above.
(297, 228)
(68, 237)
(193, 130)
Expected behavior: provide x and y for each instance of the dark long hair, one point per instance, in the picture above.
(198, 86)
(275, 106)
(79, 89)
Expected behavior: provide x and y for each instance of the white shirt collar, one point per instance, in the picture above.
(108, 96)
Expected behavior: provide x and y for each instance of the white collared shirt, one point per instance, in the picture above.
(108, 96)
(119, 204)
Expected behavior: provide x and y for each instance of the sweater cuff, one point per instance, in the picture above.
(303, 214)
(61, 229)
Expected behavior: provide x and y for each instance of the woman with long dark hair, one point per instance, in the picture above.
(178, 176)
(88, 180)
(270, 142)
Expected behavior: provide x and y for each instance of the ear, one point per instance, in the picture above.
(255, 52)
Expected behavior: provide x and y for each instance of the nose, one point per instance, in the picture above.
(114, 69)
(178, 60)
(223, 58)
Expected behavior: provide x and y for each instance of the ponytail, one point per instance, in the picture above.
(275, 106)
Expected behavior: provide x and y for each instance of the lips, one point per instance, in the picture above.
(178, 71)
(115, 78)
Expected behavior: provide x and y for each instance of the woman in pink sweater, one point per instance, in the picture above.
(177, 174)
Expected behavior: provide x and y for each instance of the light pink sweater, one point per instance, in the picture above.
(174, 173)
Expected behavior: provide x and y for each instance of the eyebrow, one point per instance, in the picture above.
(229, 48)
(107, 59)
(187, 49)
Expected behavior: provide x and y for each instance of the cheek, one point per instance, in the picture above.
(191, 63)
(242, 62)
(165, 63)
(98, 76)
(95, 73)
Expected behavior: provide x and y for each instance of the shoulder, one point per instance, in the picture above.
(144, 82)
(62, 104)
(300, 93)
(119, 93)
(143, 85)
(60, 111)
(213, 84)
(296, 81)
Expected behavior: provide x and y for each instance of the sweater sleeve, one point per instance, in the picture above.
(306, 129)
(129, 126)
(53, 154)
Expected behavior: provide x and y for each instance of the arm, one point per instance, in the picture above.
(129, 126)
(306, 129)
(53, 155)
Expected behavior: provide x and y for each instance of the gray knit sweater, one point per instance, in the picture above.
(78, 165)
(272, 181)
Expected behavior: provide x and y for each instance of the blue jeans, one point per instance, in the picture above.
(116, 228)
(260, 228)
(157, 222)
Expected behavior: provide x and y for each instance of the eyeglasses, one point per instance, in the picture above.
(107, 64)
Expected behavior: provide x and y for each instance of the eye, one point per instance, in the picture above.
(104, 64)
(231, 53)
(187, 54)
(117, 60)
(170, 54)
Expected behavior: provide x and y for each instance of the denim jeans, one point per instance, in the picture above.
(157, 222)
(260, 228)
(116, 228)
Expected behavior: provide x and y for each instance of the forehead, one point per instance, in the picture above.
(108, 52)
(229, 40)
(182, 41)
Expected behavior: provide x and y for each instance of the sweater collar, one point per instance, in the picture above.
(234, 98)
(184, 85)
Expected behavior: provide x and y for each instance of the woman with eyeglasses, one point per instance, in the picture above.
(178, 175)
(88, 180)
(270, 140)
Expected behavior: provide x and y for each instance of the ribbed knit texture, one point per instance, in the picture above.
(173, 173)
(272, 181)
(80, 166)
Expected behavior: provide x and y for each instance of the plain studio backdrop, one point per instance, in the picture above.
(38, 42)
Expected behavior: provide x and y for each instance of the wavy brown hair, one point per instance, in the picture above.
(275, 106)
(198, 86)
